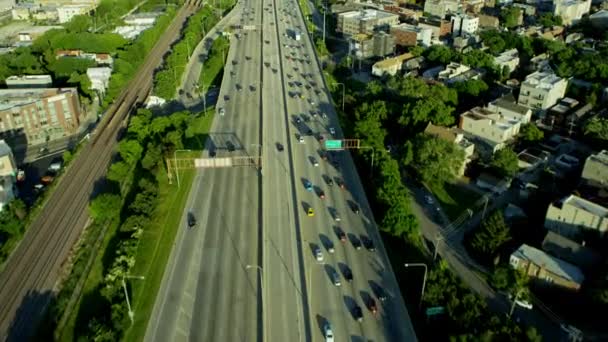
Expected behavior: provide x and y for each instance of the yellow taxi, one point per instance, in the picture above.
(311, 212)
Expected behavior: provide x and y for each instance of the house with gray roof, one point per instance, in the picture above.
(570, 251)
(546, 269)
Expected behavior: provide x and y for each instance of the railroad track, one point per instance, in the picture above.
(29, 278)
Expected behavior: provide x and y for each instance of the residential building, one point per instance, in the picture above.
(67, 12)
(571, 11)
(440, 28)
(508, 59)
(390, 66)
(546, 269)
(488, 127)
(528, 10)
(572, 215)
(464, 24)
(441, 8)
(488, 21)
(99, 58)
(8, 171)
(33, 32)
(492, 183)
(466, 43)
(453, 135)
(539, 63)
(456, 72)
(366, 21)
(473, 6)
(45, 13)
(29, 81)
(411, 35)
(595, 171)
(100, 78)
(508, 107)
(402, 12)
(141, 19)
(367, 46)
(599, 20)
(542, 89)
(40, 115)
(570, 251)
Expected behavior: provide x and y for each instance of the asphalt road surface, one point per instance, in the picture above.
(209, 292)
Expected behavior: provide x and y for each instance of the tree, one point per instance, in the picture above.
(79, 24)
(118, 171)
(509, 16)
(105, 206)
(471, 87)
(504, 162)
(18, 208)
(550, 20)
(530, 133)
(130, 151)
(596, 128)
(417, 50)
(67, 157)
(439, 54)
(436, 160)
(492, 234)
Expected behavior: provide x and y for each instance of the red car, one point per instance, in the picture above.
(372, 306)
(321, 194)
(341, 235)
(340, 183)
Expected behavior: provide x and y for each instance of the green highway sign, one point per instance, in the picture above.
(436, 310)
(333, 144)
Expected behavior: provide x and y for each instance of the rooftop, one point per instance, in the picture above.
(407, 27)
(10, 98)
(552, 264)
(389, 62)
(506, 56)
(583, 204)
(508, 102)
(542, 79)
(569, 250)
(367, 14)
(496, 120)
(600, 157)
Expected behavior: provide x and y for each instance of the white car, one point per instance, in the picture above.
(222, 111)
(301, 139)
(328, 333)
(318, 254)
(314, 161)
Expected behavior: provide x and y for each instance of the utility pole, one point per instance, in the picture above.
(419, 264)
(124, 286)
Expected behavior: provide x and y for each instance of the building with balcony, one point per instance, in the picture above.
(541, 90)
(571, 216)
(441, 8)
(39, 115)
(411, 35)
(489, 128)
(546, 269)
(29, 81)
(365, 21)
(464, 24)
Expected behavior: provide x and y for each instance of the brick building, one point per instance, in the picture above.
(411, 35)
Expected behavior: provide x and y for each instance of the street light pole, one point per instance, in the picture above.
(260, 272)
(419, 264)
(124, 286)
(175, 161)
(324, 11)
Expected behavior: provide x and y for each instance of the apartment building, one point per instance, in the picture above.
(571, 11)
(67, 12)
(404, 13)
(8, 171)
(439, 28)
(367, 46)
(441, 8)
(29, 81)
(595, 171)
(508, 107)
(100, 79)
(453, 135)
(366, 21)
(411, 35)
(464, 24)
(572, 215)
(508, 59)
(546, 269)
(490, 128)
(39, 114)
(541, 90)
(488, 21)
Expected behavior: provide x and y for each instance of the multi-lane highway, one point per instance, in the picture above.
(28, 280)
(247, 270)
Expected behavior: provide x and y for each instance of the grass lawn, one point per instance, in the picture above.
(454, 198)
(156, 244)
(213, 67)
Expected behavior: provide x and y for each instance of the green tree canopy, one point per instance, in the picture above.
(550, 20)
(596, 128)
(369, 126)
(130, 151)
(79, 24)
(493, 233)
(439, 54)
(436, 160)
(509, 16)
(105, 206)
(529, 132)
(505, 162)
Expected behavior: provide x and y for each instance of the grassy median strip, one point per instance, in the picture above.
(213, 67)
(157, 243)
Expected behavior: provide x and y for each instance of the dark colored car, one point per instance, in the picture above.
(230, 146)
(309, 132)
(321, 194)
(340, 183)
(348, 274)
(354, 207)
(280, 147)
(328, 180)
(341, 235)
(371, 305)
(380, 293)
(358, 313)
(191, 220)
(355, 241)
(212, 153)
(368, 243)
